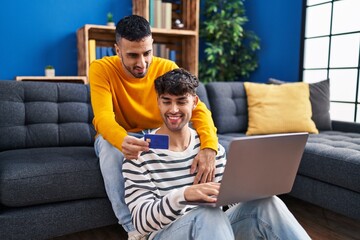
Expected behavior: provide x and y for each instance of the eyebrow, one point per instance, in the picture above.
(179, 98)
(133, 53)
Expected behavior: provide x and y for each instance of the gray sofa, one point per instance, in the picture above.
(50, 181)
(329, 172)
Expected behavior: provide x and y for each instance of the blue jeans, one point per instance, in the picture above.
(111, 160)
(266, 218)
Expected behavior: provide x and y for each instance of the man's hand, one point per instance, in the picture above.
(204, 192)
(132, 147)
(204, 163)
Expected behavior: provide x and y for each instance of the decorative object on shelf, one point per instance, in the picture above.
(49, 71)
(178, 24)
(110, 19)
(230, 51)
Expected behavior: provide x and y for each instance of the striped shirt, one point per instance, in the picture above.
(155, 184)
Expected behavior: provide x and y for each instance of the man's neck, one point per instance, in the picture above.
(178, 141)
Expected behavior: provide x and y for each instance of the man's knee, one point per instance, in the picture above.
(209, 215)
(214, 222)
(261, 205)
(109, 156)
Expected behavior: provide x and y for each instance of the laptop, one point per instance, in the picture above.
(259, 167)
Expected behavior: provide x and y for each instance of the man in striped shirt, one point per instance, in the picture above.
(159, 181)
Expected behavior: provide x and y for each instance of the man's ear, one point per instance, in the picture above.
(196, 100)
(117, 49)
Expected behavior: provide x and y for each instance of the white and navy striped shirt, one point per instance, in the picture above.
(155, 184)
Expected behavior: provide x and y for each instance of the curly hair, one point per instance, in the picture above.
(132, 28)
(176, 82)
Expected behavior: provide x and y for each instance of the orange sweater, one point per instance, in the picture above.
(122, 104)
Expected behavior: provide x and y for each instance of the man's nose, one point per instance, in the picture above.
(142, 62)
(174, 108)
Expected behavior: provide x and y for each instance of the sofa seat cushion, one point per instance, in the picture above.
(330, 153)
(44, 175)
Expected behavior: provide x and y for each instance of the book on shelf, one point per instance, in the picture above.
(172, 55)
(104, 52)
(92, 50)
(161, 50)
(151, 13)
(98, 52)
(172, 1)
(160, 14)
(167, 8)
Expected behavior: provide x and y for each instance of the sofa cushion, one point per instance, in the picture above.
(333, 157)
(320, 102)
(42, 114)
(279, 108)
(228, 106)
(45, 175)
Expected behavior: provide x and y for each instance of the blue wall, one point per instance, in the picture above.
(37, 33)
(41, 32)
(278, 24)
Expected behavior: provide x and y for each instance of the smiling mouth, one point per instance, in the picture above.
(174, 118)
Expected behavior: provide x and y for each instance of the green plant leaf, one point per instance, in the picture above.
(230, 49)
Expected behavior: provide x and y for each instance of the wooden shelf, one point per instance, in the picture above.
(75, 79)
(184, 41)
(173, 32)
(104, 36)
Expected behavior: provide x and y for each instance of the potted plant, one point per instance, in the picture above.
(110, 19)
(49, 71)
(230, 50)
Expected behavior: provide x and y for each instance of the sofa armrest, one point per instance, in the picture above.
(345, 126)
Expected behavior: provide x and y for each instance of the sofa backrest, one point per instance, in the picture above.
(228, 105)
(44, 114)
(202, 94)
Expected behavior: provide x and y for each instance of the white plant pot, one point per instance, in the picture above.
(50, 72)
(110, 24)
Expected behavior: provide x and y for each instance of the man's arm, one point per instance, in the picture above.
(204, 162)
(204, 126)
(102, 105)
(104, 119)
(150, 211)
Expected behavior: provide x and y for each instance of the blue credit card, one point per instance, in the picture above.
(159, 141)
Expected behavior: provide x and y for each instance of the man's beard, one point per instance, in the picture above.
(130, 70)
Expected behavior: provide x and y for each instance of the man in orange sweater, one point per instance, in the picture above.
(124, 103)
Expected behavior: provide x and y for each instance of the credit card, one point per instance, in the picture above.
(159, 141)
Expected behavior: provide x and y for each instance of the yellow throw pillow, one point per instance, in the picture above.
(279, 108)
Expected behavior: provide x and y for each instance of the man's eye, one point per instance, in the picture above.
(166, 103)
(181, 103)
(132, 55)
(147, 54)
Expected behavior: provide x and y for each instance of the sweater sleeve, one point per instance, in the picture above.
(102, 104)
(205, 127)
(150, 212)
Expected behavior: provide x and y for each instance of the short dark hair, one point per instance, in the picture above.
(176, 82)
(132, 28)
